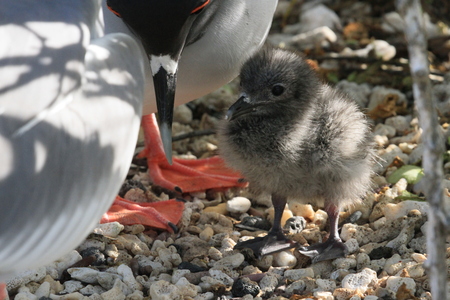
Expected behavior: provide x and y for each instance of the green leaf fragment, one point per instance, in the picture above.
(411, 173)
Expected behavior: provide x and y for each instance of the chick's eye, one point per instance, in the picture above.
(277, 90)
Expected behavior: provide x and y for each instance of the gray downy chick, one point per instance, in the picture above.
(295, 137)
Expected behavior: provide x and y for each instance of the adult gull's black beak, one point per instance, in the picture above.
(164, 80)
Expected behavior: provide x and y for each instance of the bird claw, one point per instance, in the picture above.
(269, 244)
(330, 249)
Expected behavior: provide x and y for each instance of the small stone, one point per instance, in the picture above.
(352, 246)
(72, 286)
(393, 283)
(206, 233)
(381, 252)
(324, 295)
(302, 210)
(193, 268)
(243, 286)
(297, 274)
(394, 211)
(360, 281)
(343, 293)
(391, 266)
(418, 257)
(295, 225)
(400, 123)
(326, 284)
(186, 288)
(128, 278)
(284, 259)
(107, 280)
(344, 263)
(25, 277)
(384, 130)
(86, 275)
(268, 283)
(136, 295)
(265, 262)
(133, 244)
(362, 261)
(214, 253)
(25, 296)
(92, 289)
(43, 290)
(320, 219)
(163, 290)
(114, 294)
(238, 205)
(182, 114)
(221, 277)
(339, 274)
(111, 230)
(230, 262)
(220, 209)
(297, 287)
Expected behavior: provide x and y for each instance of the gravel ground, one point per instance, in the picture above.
(359, 49)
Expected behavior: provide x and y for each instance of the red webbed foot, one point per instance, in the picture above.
(162, 214)
(184, 175)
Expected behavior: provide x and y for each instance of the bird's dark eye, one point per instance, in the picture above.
(200, 7)
(277, 90)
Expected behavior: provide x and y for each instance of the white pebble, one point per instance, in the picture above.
(182, 114)
(231, 262)
(72, 296)
(26, 296)
(107, 280)
(169, 257)
(178, 274)
(114, 294)
(136, 295)
(284, 259)
(111, 230)
(352, 246)
(326, 285)
(268, 283)
(393, 283)
(186, 288)
(400, 123)
(72, 286)
(128, 277)
(92, 289)
(324, 295)
(296, 287)
(205, 296)
(26, 277)
(221, 277)
(344, 263)
(360, 280)
(418, 257)
(43, 290)
(297, 274)
(384, 130)
(394, 211)
(86, 275)
(163, 290)
(238, 205)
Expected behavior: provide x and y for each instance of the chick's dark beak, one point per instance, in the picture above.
(165, 86)
(240, 107)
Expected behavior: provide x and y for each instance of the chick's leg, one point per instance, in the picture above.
(275, 240)
(333, 247)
